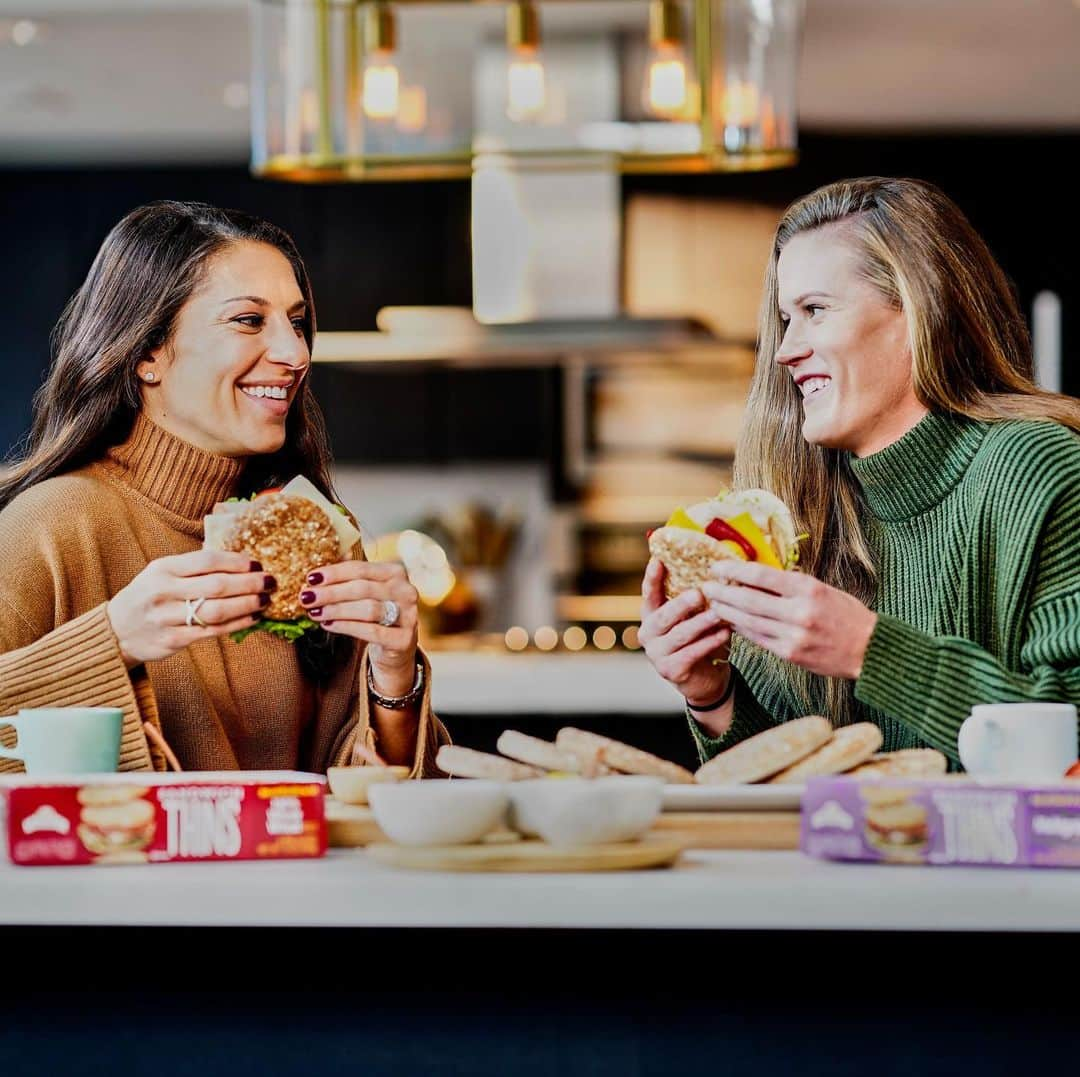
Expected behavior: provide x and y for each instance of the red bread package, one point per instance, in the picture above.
(143, 817)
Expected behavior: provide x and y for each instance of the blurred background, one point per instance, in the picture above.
(513, 446)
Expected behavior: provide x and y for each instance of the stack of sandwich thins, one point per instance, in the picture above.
(727, 803)
(787, 754)
(809, 748)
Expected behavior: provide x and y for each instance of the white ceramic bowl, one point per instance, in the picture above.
(437, 811)
(350, 784)
(585, 811)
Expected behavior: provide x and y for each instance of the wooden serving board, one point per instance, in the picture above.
(651, 852)
(731, 830)
(352, 826)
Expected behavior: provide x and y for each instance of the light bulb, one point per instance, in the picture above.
(381, 79)
(667, 82)
(381, 87)
(525, 97)
(525, 90)
(665, 78)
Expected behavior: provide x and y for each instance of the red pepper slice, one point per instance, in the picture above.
(270, 490)
(722, 531)
(649, 534)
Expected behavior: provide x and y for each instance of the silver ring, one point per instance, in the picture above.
(390, 614)
(192, 606)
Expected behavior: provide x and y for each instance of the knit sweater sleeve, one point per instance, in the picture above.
(931, 682)
(78, 663)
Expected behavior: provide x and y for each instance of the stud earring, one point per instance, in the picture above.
(151, 376)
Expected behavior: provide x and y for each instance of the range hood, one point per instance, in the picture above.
(453, 336)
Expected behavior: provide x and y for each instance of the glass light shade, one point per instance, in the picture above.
(329, 105)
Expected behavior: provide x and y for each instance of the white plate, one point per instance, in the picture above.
(733, 797)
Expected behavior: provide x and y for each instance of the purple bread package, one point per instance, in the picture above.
(942, 821)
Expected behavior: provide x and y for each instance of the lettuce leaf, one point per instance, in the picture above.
(287, 630)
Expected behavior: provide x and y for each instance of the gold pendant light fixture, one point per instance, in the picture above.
(417, 89)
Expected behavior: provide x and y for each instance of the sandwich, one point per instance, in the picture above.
(115, 819)
(747, 525)
(894, 823)
(290, 531)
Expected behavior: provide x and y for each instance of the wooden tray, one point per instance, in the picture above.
(731, 830)
(351, 826)
(650, 852)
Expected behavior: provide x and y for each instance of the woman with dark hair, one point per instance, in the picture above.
(178, 381)
(894, 410)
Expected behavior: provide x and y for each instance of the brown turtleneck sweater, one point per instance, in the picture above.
(72, 542)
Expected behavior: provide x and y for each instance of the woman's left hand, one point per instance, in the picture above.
(352, 598)
(797, 617)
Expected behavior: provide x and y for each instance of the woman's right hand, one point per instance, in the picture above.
(682, 638)
(149, 616)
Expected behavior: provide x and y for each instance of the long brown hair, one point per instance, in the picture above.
(971, 356)
(148, 267)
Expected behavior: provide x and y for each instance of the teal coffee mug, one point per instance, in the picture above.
(66, 740)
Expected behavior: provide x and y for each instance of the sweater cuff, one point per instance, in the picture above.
(707, 745)
(430, 733)
(77, 664)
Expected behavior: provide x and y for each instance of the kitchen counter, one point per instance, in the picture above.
(709, 890)
(500, 682)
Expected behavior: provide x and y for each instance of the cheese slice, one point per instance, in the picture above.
(347, 535)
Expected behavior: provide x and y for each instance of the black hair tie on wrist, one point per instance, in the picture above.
(720, 702)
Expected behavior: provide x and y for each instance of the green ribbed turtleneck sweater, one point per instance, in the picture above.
(975, 529)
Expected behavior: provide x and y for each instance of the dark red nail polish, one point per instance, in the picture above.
(269, 583)
(316, 612)
(306, 598)
(327, 623)
(315, 578)
(264, 600)
(256, 566)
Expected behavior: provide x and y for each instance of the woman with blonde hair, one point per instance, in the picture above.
(179, 380)
(893, 408)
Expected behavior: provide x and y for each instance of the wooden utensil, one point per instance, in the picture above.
(651, 852)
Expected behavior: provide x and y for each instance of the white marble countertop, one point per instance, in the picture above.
(484, 682)
(708, 890)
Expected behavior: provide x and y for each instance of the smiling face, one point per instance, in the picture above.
(845, 346)
(233, 366)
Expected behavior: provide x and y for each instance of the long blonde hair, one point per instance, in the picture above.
(971, 356)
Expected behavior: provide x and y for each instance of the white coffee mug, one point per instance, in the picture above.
(1019, 741)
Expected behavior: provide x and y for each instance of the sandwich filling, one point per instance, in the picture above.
(752, 525)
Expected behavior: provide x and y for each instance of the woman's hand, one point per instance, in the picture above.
(351, 598)
(150, 615)
(682, 638)
(797, 617)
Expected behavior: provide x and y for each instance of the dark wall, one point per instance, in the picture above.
(372, 245)
(366, 246)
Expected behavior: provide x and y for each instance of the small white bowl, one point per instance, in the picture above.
(350, 784)
(585, 811)
(437, 811)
